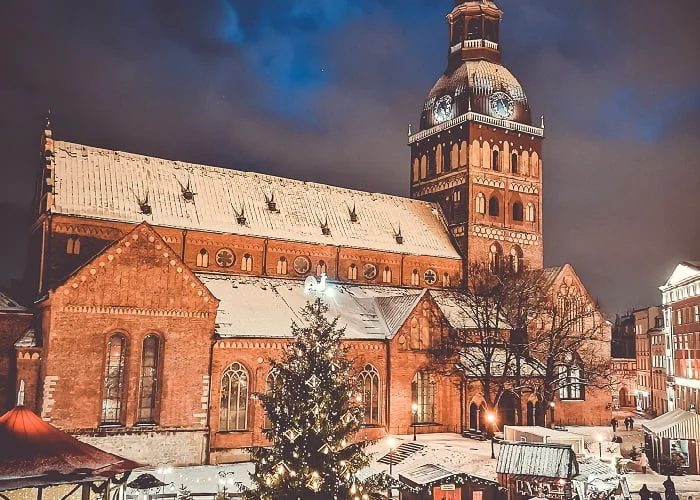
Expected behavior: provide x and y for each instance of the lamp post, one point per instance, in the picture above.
(392, 444)
(599, 438)
(492, 421)
(551, 414)
(225, 477)
(414, 409)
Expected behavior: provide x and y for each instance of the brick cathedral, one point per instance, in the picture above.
(162, 287)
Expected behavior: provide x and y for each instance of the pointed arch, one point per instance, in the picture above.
(514, 163)
(423, 393)
(530, 212)
(495, 257)
(247, 263)
(463, 153)
(415, 277)
(273, 382)
(438, 159)
(416, 170)
(233, 410)
(423, 166)
(386, 275)
(534, 164)
(496, 159)
(516, 259)
(149, 381)
(113, 393)
(517, 211)
(371, 394)
(454, 157)
(475, 154)
(480, 203)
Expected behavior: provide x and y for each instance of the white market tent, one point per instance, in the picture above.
(677, 424)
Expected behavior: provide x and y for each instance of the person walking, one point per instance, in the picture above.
(644, 492)
(613, 424)
(643, 462)
(631, 424)
(627, 423)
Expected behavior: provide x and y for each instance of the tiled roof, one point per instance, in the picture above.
(535, 459)
(266, 307)
(112, 185)
(8, 304)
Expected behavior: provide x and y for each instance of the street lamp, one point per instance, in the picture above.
(551, 414)
(414, 408)
(225, 477)
(599, 438)
(492, 420)
(392, 444)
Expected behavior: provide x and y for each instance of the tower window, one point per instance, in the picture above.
(494, 209)
(474, 30)
(494, 161)
(514, 163)
(516, 259)
(530, 213)
(480, 205)
(149, 380)
(518, 211)
(495, 258)
(457, 196)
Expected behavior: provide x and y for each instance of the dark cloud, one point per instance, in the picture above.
(323, 90)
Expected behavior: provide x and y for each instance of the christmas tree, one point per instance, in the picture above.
(314, 411)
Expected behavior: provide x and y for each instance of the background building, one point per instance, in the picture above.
(647, 323)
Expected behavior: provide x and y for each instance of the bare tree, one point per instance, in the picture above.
(516, 333)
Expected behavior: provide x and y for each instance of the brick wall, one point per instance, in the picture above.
(164, 446)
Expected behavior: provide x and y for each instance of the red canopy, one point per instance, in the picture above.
(35, 453)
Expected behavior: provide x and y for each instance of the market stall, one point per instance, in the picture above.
(36, 456)
(671, 442)
(434, 482)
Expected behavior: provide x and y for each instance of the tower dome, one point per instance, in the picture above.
(474, 79)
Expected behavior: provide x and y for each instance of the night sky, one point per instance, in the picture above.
(324, 90)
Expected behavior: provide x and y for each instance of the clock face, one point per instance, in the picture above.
(502, 105)
(443, 109)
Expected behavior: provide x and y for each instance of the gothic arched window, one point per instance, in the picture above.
(530, 212)
(570, 382)
(518, 211)
(113, 389)
(352, 272)
(415, 277)
(233, 412)
(423, 392)
(247, 263)
(416, 169)
(148, 386)
(516, 259)
(386, 275)
(273, 383)
(494, 208)
(514, 163)
(495, 257)
(480, 204)
(369, 378)
(495, 165)
(203, 258)
(321, 268)
(282, 265)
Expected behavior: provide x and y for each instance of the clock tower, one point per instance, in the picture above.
(477, 152)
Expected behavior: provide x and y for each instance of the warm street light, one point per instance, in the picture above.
(599, 438)
(551, 414)
(392, 444)
(414, 408)
(491, 418)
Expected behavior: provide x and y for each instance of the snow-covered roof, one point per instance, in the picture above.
(113, 185)
(676, 424)
(8, 304)
(28, 339)
(266, 307)
(537, 459)
(473, 361)
(684, 272)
